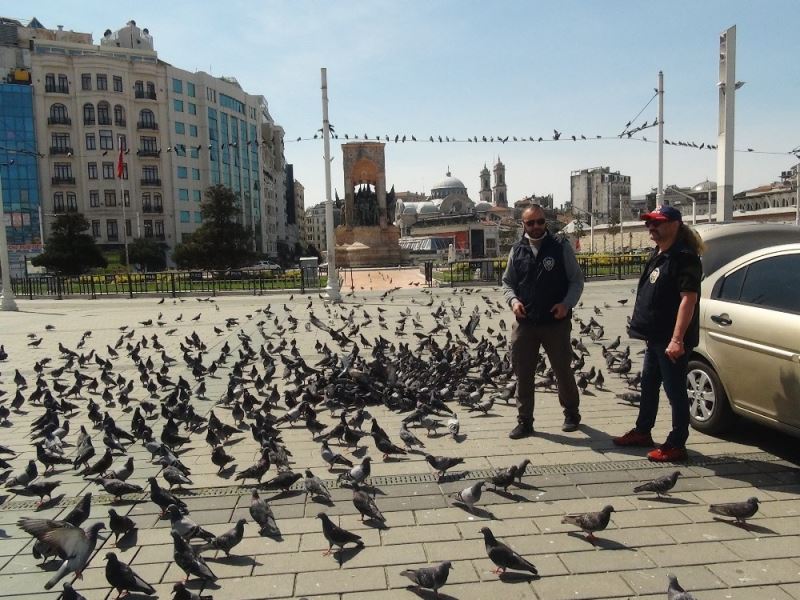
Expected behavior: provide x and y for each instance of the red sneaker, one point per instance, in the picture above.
(668, 454)
(635, 438)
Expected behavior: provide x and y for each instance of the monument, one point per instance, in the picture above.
(368, 236)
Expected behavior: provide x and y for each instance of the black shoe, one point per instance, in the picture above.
(522, 430)
(571, 423)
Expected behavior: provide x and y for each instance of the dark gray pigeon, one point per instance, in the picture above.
(181, 592)
(69, 593)
(118, 488)
(227, 540)
(262, 514)
(431, 578)
(675, 591)
(591, 521)
(503, 556)
(120, 525)
(366, 506)
(191, 563)
(174, 476)
(185, 527)
(659, 485)
(359, 473)
(123, 579)
(739, 511)
(504, 478)
(335, 535)
(25, 476)
(315, 487)
(443, 463)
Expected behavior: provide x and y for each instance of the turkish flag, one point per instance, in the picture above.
(120, 164)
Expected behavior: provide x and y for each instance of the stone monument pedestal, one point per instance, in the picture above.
(368, 246)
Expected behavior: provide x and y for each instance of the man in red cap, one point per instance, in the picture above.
(666, 317)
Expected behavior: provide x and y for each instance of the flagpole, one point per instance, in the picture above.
(120, 172)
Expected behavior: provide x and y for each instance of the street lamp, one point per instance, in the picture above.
(8, 302)
(591, 225)
(692, 198)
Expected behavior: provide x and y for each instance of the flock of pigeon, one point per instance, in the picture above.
(134, 392)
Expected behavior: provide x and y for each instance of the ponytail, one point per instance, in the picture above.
(691, 238)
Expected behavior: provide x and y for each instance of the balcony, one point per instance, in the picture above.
(142, 94)
(151, 182)
(62, 180)
(56, 150)
(89, 121)
(59, 121)
(149, 208)
(56, 89)
(104, 120)
(147, 125)
(120, 122)
(113, 237)
(160, 236)
(148, 153)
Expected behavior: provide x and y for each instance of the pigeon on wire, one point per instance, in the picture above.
(739, 511)
(227, 540)
(337, 536)
(74, 544)
(262, 514)
(431, 578)
(660, 485)
(675, 591)
(470, 496)
(123, 579)
(189, 561)
(503, 556)
(591, 521)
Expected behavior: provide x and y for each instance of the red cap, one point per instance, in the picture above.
(663, 213)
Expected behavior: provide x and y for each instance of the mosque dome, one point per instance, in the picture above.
(409, 209)
(705, 186)
(427, 208)
(448, 185)
(483, 206)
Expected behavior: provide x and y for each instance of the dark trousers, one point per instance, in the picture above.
(657, 369)
(526, 341)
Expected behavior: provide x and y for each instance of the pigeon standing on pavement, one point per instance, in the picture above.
(164, 499)
(739, 511)
(660, 485)
(189, 561)
(120, 525)
(262, 514)
(443, 463)
(181, 592)
(227, 540)
(591, 521)
(504, 478)
(471, 495)
(675, 591)
(335, 535)
(185, 527)
(315, 487)
(431, 578)
(123, 579)
(503, 556)
(366, 506)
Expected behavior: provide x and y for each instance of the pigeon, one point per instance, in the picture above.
(188, 560)
(174, 476)
(408, 438)
(74, 545)
(78, 514)
(659, 485)
(503, 556)
(739, 511)
(262, 514)
(504, 478)
(118, 488)
(590, 522)
(120, 525)
(521, 468)
(257, 471)
(122, 473)
(220, 458)
(366, 506)
(101, 466)
(335, 535)
(316, 487)
(24, 477)
(164, 499)
(181, 592)
(227, 540)
(333, 458)
(69, 593)
(471, 495)
(442, 463)
(453, 426)
(123, 579)
(431, 578)
(359, 473)
(186, 527)
(283, 480)
(675, 591)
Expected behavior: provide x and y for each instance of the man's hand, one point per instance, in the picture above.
(518, 308)
(559, 310)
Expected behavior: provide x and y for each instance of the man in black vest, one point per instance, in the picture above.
(542, 283)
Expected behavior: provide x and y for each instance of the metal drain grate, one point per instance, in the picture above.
(417, 478)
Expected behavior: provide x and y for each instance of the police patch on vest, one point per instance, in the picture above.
(548, 263)
(654, 275)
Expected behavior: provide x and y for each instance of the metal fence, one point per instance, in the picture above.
(167, 283)
(490, 270)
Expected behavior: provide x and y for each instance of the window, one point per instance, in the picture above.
(146, 205)
(94, 200)
(58, 115)
(184, 216)
(60, 142)
(198, 217)
(731, 287)
(86, 81)
(211, 95)
(177, 105)
(49, 82)
(91, 141)
(102, 82)
(92, 166)
(106, 139)
(138, 88)
(150, 173)
(177, 86)
(148, 144)
(148, 228)
(119, 115)
(197, 195)
(58, 202)
(95, 229)
(159, 226)
(110, 198)
(62, 170)
(72, 202)
(88, 114)
(180, 128)
(192, 108)
(190, 89)
(151, 90)
(193, 130)
(158, 203)
(773, 283)
(111, 229)
(196, 174)
(147, 118)
(117, 83)
(63, 84)
(122, 142)
(182, 173)
(194, 152)
(103, 113)
(231, 103)
(128, 229)
(183, 195)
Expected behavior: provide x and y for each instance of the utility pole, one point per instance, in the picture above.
(332, 289)
(727, 85)
(621, 228)
(660, 192)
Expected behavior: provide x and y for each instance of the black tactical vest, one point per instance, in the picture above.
(541, 280)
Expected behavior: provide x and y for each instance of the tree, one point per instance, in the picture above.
(220, 242)
(68, 250)
(147, 253)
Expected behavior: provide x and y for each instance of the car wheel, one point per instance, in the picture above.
(709, 411)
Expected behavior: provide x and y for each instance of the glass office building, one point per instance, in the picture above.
(19, 171)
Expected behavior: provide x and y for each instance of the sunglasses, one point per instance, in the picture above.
(650, 224)
(535, 221)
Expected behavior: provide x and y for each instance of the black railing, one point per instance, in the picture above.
(59, 180)
(59, 121)
(145, 94)
(149, 208)
(151, 182)
(147, 125)
(60, 150)
(172, 283)
(148, 153)
(89, 121)
(120, 122)
(56, 89)
(104, 120)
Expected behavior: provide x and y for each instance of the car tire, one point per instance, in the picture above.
(709, 408)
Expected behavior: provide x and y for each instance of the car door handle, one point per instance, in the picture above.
(722, 319)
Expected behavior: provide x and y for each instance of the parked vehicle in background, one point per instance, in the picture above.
(263, 265)
(747, 363)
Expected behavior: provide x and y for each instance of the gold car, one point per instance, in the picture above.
(748, 360)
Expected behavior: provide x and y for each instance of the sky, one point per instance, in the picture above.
(463, 68)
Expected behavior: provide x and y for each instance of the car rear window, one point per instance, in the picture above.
(773, 283)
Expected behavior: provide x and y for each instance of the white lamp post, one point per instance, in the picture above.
(692, 198)
(8, 301)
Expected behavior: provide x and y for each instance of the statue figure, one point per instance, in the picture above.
(391, 206)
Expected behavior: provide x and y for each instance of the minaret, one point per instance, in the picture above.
(486, 186)
(500, 196)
